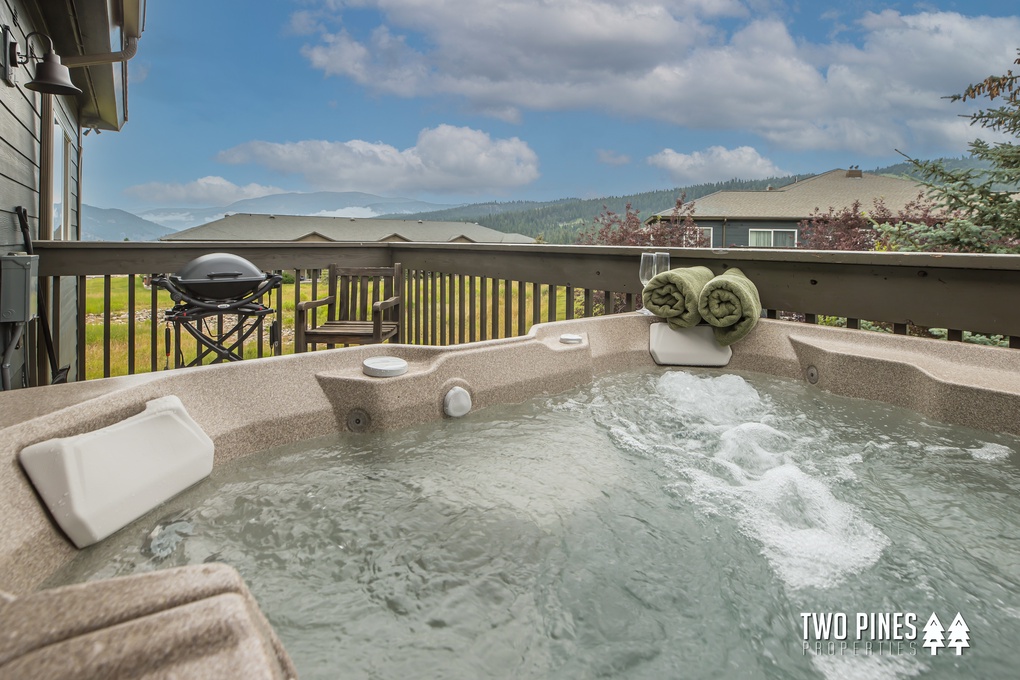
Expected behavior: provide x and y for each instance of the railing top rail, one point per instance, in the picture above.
(66, 258)
(886, 258)
(86, 258)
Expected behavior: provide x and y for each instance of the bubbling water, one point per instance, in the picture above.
(651, 525)
(749, 468)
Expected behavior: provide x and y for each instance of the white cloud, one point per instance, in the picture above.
(362, 213)
(211, 190)
(694, 63)
(715, 164)
(609, 157)
(444, 159)
(170, 219)
(304, 22)
(139, 72)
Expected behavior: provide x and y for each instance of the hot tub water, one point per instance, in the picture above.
(651, 525)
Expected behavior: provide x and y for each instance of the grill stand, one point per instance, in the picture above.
(191, 311)
(192, 319)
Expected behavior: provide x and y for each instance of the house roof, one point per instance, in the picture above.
(249, 227)
(837, 189)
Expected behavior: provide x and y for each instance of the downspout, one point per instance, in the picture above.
(79, 282)
(41, 367)
(5, 364)
(130, 49)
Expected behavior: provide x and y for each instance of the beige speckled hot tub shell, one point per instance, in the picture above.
(250, 406)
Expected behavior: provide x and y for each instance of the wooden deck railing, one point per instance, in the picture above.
(464, 292)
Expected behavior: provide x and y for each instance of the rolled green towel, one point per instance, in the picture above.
(673, 295)
(730, 302)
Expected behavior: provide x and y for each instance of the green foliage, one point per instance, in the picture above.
(981, 214)
(973, 338)
(920, 331)
(677, 231)
(288, 277)
(853, 228)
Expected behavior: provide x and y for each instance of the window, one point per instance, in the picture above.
(704, 238)
(772, 238)
(61, 183)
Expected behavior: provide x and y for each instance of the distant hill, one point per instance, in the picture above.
(111, 224)
(905, 169)
(320, 203)
(560, 221)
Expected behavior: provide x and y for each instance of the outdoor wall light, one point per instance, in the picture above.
(51, 77)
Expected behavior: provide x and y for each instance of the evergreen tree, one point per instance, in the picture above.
(933, 631)
(959, 634)
(981, 214)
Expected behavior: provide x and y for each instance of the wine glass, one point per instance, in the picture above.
(648, 269)
(661, 262)
(647, 272)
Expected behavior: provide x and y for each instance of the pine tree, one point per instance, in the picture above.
(982, 216)
(959, 634)
(933, 631)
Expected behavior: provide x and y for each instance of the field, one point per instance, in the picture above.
(134, 346)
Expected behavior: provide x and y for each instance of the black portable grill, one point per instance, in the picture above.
(215, 285)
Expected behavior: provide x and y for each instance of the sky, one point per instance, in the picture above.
(464, 101)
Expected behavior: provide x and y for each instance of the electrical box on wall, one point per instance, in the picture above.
(19, 276)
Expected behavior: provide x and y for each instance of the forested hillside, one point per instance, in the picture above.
(559, 221)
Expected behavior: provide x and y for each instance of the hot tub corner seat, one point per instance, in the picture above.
(198, 621)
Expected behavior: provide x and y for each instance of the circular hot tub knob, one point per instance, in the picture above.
(457, 402)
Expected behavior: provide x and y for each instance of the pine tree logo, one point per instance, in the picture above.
(959, 634)
(933, 631)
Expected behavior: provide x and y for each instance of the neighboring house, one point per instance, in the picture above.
(41, 140)
(246, 227)
(769, 219)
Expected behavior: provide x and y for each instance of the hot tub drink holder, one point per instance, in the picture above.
(215, 285)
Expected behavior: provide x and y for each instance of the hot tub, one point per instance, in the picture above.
(319, 394)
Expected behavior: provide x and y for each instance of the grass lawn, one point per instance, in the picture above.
(95, 343)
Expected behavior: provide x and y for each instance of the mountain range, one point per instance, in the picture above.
(111, 224)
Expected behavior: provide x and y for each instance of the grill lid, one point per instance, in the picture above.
(218, 276)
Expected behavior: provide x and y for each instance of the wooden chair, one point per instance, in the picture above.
(363, 308)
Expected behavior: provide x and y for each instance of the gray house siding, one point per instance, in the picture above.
(22, 168)
(738, 231)
(735, 233)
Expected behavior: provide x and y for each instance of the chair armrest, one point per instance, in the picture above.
(377, 316)
(384, 304)
(312, 304)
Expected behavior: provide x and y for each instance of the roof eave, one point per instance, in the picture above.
(84, 28)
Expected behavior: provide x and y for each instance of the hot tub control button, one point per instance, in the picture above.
(384, 367)
(571, 339)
